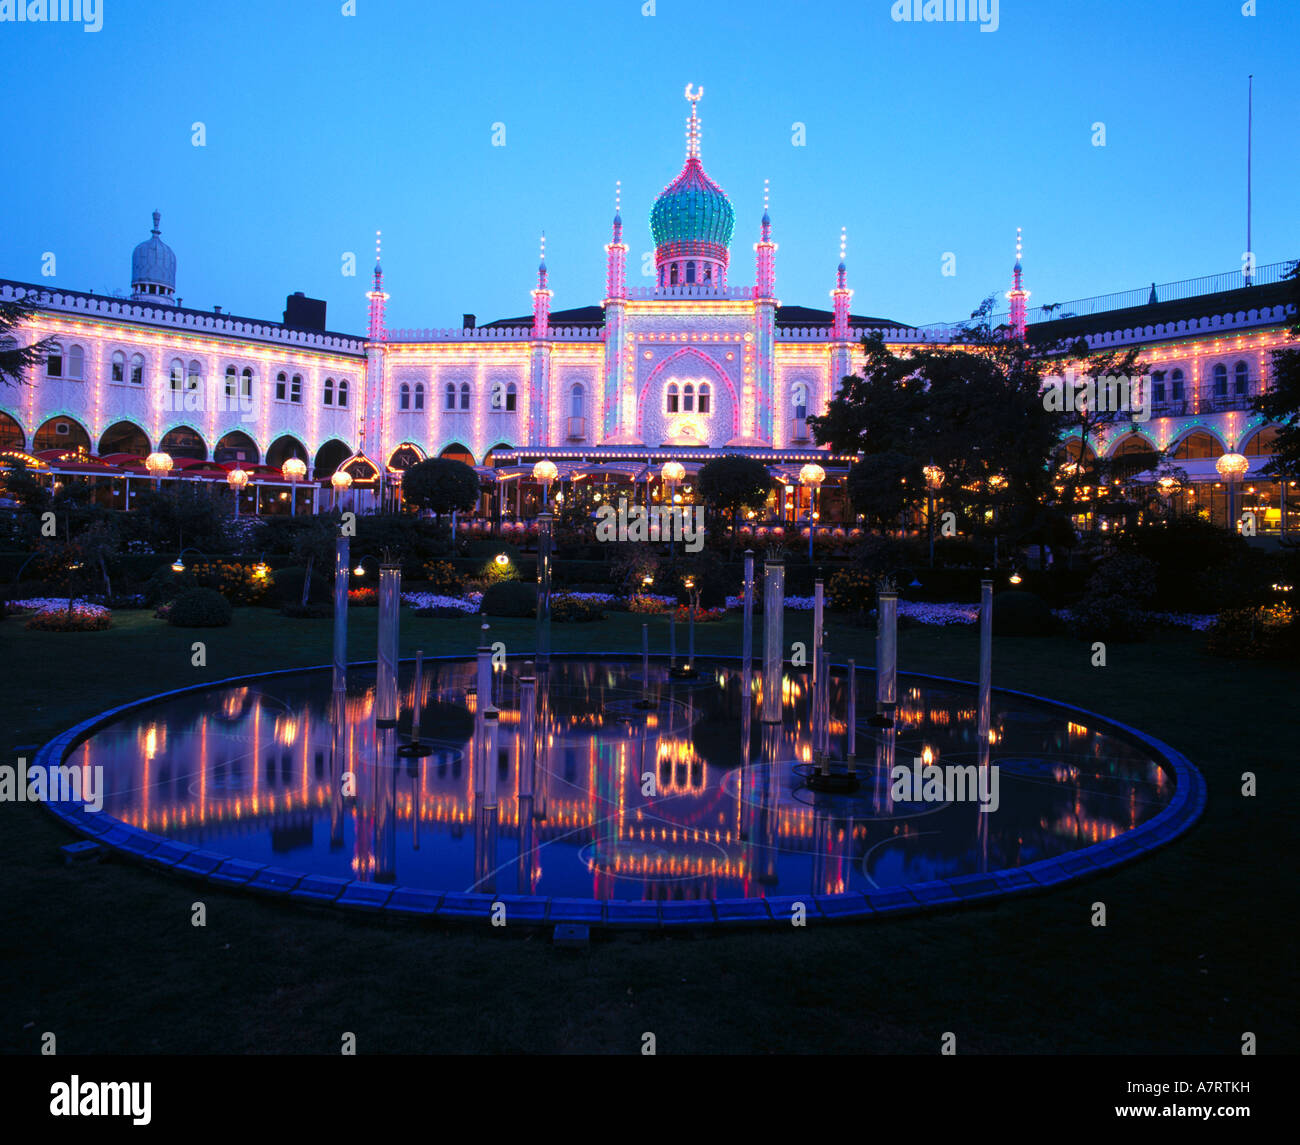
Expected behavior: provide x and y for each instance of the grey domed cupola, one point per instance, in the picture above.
(153, 270)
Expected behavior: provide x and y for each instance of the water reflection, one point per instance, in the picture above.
(694, 798)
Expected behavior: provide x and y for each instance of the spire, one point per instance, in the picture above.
(542, 298)
(765, 280)
(841, 294)
(693, 124)
(1018, 296)
(377, 332)
(157, 218)
(616, 252)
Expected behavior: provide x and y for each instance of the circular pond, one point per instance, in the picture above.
(685, 807)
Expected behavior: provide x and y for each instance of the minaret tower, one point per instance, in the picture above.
(370, 431)
(539, 381)
(841, 335)
(618, 354)
(758, 419)
(1018, 296)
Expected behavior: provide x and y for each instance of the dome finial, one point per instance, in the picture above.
(693, 124)
(157, 218)
(844, 244)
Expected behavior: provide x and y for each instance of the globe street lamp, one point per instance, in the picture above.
(934, 479)
(670, 474)
(1231, 466)
(237, 478)
(341, 480)
(294, 469)
(545, 472)
(811, 477)
(159, 465)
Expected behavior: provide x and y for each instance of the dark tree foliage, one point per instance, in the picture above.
(16, 358)
(441, 485)
(1281, 403)
(732, 483)
(881, 485)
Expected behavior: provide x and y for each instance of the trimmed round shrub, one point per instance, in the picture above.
(165, 584)
(509, 598)
(1021, 614)
(199, 608)
(568, 609)
(287, 588)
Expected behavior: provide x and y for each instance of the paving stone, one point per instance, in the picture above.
(686, 913)
(367, 897)
(274, 881)
(892, 900)
(631, 914)
(933, 892)
(318, 888)
(851, 905)
(168, 853)
(200, 862)
(974, 886)
(781, 907)
(466, 906)
(741, 911)
(409, 901)
(522, 908)
(575, 911)
(572, 936)
(1048, 873)
(234, 872)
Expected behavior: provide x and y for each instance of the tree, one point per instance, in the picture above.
(441, 485)
(15, 359)
(734, 482)
(882, 485)
(1281, 403)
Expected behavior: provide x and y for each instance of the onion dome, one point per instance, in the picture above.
(153, 268)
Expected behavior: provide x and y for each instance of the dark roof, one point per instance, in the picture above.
(579, 316)
(785, 316)
(1244, 298)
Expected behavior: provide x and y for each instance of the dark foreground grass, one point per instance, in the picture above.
(1197, 950)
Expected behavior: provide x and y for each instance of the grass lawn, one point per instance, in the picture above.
(1198, 948)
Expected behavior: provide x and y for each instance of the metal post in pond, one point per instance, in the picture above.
(690, 645)
(672, 637)
(342, 570)
(986, 659)
(817, 670)
(544, 589)
(773, 637)
(851, 720)
(886, 655)
(390, 599)
(492, 726)
(747, 634)
(415, 697)
(646, 702)
(527, 732)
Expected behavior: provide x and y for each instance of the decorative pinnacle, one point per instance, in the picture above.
(1018, 247)
(157, 218)
(767, 188)
(693, 124)
(618, 196)
(844, 242)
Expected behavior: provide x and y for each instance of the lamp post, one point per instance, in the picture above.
(341, 481)
(997, 483)
(159, 465)
(1230, 467)
(1167, 486)
(178, 565)
(545, 472)
(295, 469)
(934, 479)
(671, 473)
(237, 479)
(811, 477)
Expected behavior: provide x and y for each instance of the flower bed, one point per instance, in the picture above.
(55, 616)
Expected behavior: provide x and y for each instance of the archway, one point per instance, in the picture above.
(63, 433)
(404, 456)
(458, 452)
(283, 448)
(124, 437)
(1261, 443)
(236, 446)
(11, 433)
(1198, 445)
(330, 456)
(182, 441)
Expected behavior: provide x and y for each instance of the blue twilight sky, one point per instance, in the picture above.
(921, 138)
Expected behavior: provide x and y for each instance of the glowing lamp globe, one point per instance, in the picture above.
(545, 471)
(812, 474)
(1167, 485)
(672, 471)
(934, 476)
(340, 480)
(1232, 465)
(501, 559)
(997, 482)
(158, 463)
(295, 469)
(237, 478)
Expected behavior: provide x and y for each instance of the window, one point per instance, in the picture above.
(799, 397)
(1176, 385)
(512, 398)
(329, 391)
(464, 395)
(281, 386)
(672, 275)
(1240, 379)
(246, 384)
(419, 395)
(177, 375)
(54, 361)
(404, 396)
(195, 378)
(1158, 387)
(343, 393)
(704, 397)
(137, 370)
(76, 362)
(295, 388)
(232, 381)
(117, 372)
(672, 397)
(688, 398)
(575, 400)
(1220, 381)
(451, 395)
(690, 271)
(708, 272)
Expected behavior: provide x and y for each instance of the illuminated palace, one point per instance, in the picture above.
(689, 366)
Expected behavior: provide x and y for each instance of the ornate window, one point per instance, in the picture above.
(246, 383)
(281, 386)
(1220, 381)
(329, 392)
(419, 395)
(799, 399)
(295, 388)
(1241, 379)
(1176, 385)
(576, 400)
(688, 398)
(343, 393)
(451, 395)
(177, 376)
(512, 398)
(464, 395)
(54, 361)
(137, 369)
(194, 382)
(118, 368)
(404, 396)
(670, 403)
(76, 363)
(705, 397)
